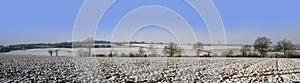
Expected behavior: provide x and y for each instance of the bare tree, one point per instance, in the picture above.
(56, 52)
(152, 50)
(198, 47)
(50, 52)
(245, 51)
(110, 53)
(123, 54)
(230, 53)
(89, 44)
(164, 51)
(227, 53)
(284, 46)
(261, 44)
(172, 49)
(141, 52)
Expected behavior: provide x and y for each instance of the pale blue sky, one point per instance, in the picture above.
(35, 21)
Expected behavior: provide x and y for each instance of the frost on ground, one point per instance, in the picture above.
(155, 69)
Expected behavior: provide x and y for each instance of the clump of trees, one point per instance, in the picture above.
(56, 52)
(152, 51)
(141, 52)
(34, 46)
(172, 50)
(52, 51)
(246, 50)
(112, 53)
(198, 46)
(261, 44)
(284, 46)
(229, 53)
(131, 55)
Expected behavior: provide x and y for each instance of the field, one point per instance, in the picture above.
(188, 51)
(153, 69)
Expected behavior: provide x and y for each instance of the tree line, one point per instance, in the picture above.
(260, 47)
(35, 46)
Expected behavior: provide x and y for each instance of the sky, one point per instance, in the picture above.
(50, 21)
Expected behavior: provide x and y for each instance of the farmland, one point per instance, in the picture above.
(151, 69)
(188, 51)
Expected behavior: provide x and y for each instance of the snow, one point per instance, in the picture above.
(188, 51)
(41, 52)
(149, 69)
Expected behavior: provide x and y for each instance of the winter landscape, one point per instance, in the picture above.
(149, 41)
(150, 70)
(151, 63)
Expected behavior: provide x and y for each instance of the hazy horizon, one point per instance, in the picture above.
(34, 21)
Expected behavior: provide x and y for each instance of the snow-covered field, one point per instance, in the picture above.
(188, 51)
(14, 68)
(42, 52)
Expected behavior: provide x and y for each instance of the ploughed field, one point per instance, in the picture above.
(151, 69)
